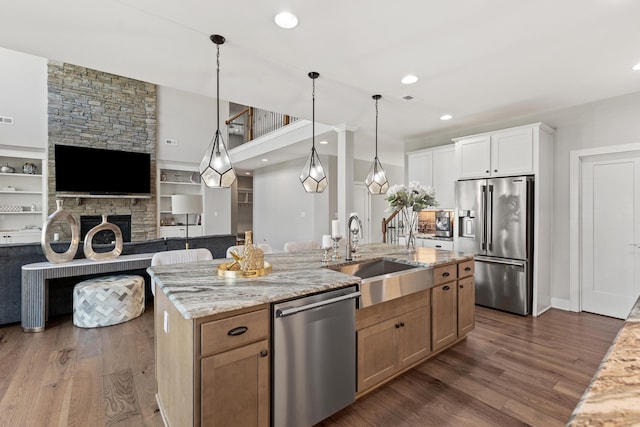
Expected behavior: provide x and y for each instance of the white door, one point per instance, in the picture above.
(610, 233)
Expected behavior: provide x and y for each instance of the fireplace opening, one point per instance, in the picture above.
(87, 222)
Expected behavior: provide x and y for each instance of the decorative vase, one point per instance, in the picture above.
(410, 217)
(89, 253)
(45, 240)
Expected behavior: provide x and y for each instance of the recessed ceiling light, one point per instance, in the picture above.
(446, 117)
(324, 142)
(286, 20)
(247, 173)
(636, 67)
(409, 79)
(264, 160)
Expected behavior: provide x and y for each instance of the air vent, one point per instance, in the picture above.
(407, 97)
(6, 120)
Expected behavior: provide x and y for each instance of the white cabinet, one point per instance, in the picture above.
(435, 167)
(502, 153)
(180, 230)
(446, 245)
(176, 180)
(22, 196)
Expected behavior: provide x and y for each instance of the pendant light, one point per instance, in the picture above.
(313, 178)
(215, 168)
(376, 181)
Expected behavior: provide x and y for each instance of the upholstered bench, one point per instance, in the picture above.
(108, 300)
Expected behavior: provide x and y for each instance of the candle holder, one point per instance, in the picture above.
(336, 254)
(325, 254)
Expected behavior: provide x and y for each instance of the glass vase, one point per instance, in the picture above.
(411, 228)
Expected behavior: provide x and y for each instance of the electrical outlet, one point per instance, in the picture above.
(166, 322)
(6, 120)
(169, 141)
(303, 214)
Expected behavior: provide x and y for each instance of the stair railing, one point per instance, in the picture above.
(392, 227)
(257, 122)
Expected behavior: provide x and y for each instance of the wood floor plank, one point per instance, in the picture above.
(510, 371)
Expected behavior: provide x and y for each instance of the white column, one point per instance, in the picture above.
(345, 174)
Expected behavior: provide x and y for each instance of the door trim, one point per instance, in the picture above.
(576, 158)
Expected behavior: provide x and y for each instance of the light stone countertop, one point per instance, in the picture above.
(197, 291)
(613, 397)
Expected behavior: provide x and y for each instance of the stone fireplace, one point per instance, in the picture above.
(101, 110)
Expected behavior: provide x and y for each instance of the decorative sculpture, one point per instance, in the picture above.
(45, 240)
(89, 253)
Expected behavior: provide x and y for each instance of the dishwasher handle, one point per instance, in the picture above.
(289, 311)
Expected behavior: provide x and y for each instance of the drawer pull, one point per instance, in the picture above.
(438, 246)
(467, 269)
(461, 286)
(445, 274)
(397, 325)
(402, 324)
(264, 353)
(237, 331)
(445, 288)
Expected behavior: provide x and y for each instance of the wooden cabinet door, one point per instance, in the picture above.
(474, 159)
(377, 353)
(466, 305)
(235, 387)
(414, 336)
(444, 315)
(512, 152)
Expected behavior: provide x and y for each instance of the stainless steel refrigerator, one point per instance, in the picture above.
(495, 223)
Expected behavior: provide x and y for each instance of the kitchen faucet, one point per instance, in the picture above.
(350, 234)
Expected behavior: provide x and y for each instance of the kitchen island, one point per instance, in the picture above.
(206, 369)
(613, 397)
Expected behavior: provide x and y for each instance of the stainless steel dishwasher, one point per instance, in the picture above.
(314, 357)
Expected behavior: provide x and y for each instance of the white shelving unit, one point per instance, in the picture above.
(177, 180)
(22, 197)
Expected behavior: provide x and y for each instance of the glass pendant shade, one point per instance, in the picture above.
(376, 181)
(312, 177)
(215, 167)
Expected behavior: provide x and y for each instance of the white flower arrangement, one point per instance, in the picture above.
(415, 196)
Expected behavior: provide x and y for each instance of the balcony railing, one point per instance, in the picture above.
(250, 123)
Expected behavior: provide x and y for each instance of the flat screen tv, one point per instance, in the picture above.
(100, 171)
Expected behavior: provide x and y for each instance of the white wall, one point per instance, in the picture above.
(283, 211)
(606, 122)
(23, 96)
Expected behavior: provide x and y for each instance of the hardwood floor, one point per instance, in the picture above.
(510, 371)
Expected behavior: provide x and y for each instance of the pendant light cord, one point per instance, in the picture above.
(313, 114)
(218, 96)
(376, 128)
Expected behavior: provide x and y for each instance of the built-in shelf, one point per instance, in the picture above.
(21, 213)
(20, 192)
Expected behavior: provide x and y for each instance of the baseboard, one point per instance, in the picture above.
(561, 304)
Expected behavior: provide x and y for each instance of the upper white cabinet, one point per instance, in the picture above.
(435, 167)
(504, 152)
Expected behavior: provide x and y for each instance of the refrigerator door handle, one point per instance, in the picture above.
(490, 219)
(514, 262)
(483, 210)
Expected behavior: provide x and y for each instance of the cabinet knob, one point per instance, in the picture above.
(467, 269)
(486, 171)
(397, 325)
(495, 170)
(445, 288)
(445, 274)
(402, 324)
(237, 331)
(264, 353)
(461, 286)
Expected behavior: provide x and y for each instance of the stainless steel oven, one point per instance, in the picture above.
(314, 357)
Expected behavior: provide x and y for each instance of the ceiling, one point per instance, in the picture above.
(479, 60)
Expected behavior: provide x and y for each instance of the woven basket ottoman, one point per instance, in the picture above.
(108, 300)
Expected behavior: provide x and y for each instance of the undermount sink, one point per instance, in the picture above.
(384, 280)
